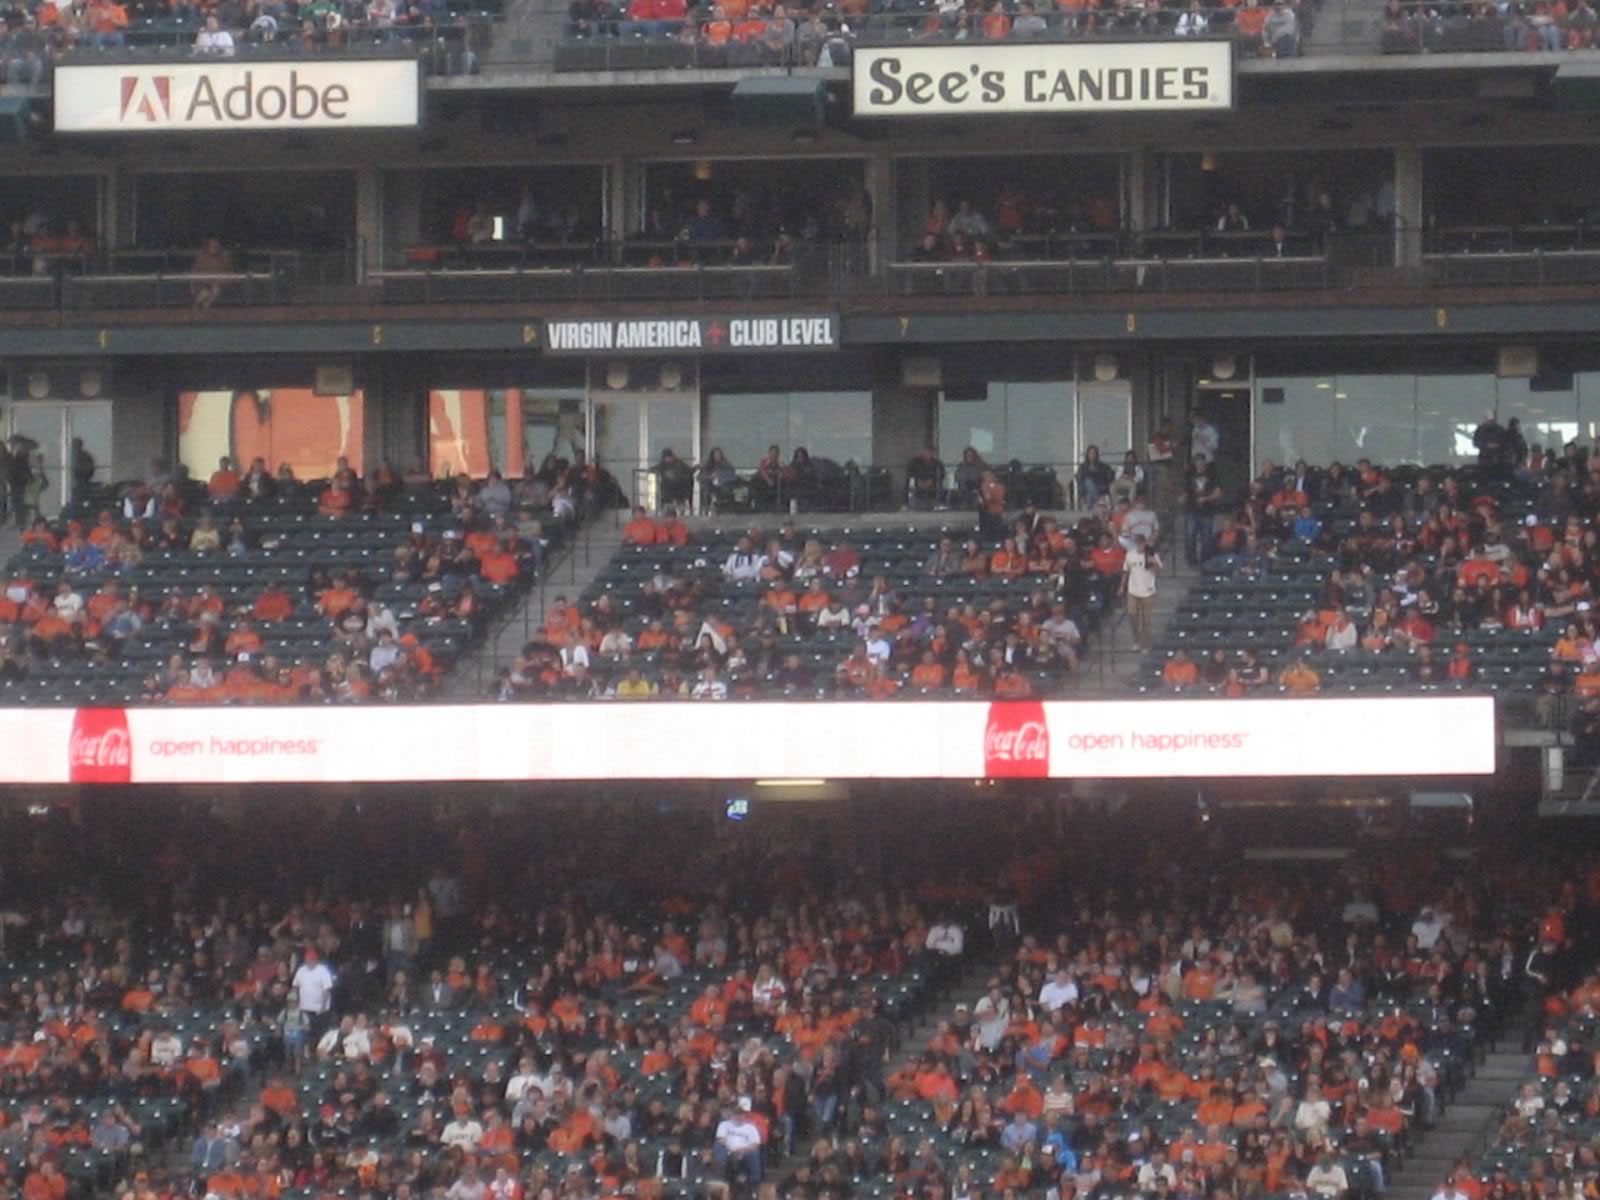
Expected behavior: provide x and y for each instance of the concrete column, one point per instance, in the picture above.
(624, 200)
(1409, 206)
(880, 184)
(396, 411)
(369, 220)
(915, 199)
(401, 213)
(1140, 189)
(903, 421)
(109, 231)
(124, 212)
(144, 408)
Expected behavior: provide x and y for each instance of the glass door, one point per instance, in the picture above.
(615, 436)
(1105, 418)
(629, 431)
(50, 427)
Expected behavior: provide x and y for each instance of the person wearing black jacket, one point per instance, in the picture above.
(1538, 978)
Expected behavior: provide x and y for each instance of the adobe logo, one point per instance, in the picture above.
(101, 750)
(147, 98)
(1016, 741)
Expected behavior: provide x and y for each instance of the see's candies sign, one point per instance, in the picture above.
(236, 95)
(645, 740)
(1025, 76)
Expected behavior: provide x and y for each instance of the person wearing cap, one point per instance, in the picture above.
(738, 1142)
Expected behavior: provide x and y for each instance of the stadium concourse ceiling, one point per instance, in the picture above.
(1200, 318)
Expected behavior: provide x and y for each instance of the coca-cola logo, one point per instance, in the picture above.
(1016, 741)
(101, 749)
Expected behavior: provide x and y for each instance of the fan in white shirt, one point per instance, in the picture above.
(946, 937)
(1058, 992)
(744, 564)
(464, 1133)
(314, 982)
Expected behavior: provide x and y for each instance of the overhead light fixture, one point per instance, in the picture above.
(1105, 367)
(703, 170)
(685, 139)
(1225, 366)
(617, 376)
(1208, 161)
(791, 783)
(671, 377)
(38, 384)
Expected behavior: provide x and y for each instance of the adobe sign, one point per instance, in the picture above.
(188, 97)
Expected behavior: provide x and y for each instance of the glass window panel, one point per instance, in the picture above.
(458, 432)
(292, 426)
(1587, 384)
(836, 425)
(1039, 422)
(1105, 415)
(616, 434)
(1549, 418)
(980, 424)
(552, 423)
(671, 426)
(745, 424)
(1302, 425)
(1375, 417)
(1449, 408)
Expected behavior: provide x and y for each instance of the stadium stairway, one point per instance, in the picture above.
(967, 987)
(1112, 660)
(571, 569)
(1469, 1120)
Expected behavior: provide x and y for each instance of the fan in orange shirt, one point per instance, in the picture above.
(338, 598)
(1008, 562)
(280, 1098)
(104, 533)
(337, 499)
(202, 1067)
(224, 483)
(709, 1009)
(1024, 1097)
(929, 673)
(933, 1082)
(1179, 671)
(670, 531)
(1012, 684)
(273, 604)
(1164, 1024)
(1200, 983)
(499, 565)
(641, 531)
